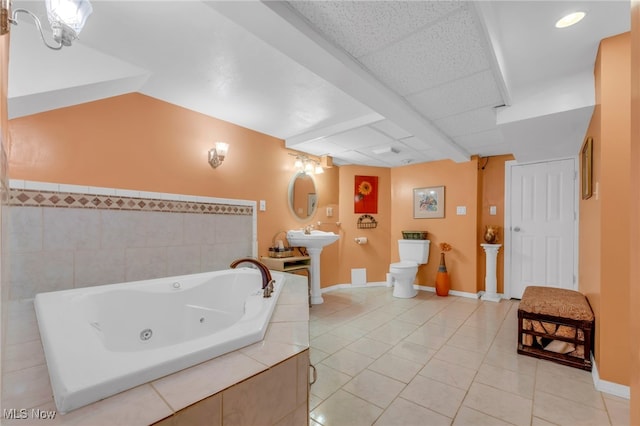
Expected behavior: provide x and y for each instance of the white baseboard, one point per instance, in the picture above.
(608, 387)
(334, 287)
(349, 285)
(501, 295)
(417, 287)
(451, 292)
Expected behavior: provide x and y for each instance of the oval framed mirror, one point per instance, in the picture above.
(302, 196)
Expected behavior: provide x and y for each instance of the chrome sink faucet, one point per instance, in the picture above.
(267, 281)
(308, 229)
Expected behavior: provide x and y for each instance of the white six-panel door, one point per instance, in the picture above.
(542, 226)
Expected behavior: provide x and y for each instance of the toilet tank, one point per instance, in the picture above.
(414, 250)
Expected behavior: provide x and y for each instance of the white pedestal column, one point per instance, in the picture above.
(316, 293)
(490, 280)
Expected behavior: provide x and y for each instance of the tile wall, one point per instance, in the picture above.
(66, 236)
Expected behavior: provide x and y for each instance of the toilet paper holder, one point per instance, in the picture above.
(361, 240)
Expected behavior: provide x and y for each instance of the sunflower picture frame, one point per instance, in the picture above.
(365, 194)
(428, 202)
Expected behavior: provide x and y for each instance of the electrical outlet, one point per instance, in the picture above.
(461, 210)
(493, 210)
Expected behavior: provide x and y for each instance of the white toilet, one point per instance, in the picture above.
(413, 253)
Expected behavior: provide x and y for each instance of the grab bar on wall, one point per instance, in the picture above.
(330, 223)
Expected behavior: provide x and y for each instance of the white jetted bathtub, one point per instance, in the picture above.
(99, 341)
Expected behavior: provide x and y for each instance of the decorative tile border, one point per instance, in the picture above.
(37, 198)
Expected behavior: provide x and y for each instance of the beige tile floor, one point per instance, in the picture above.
(435, 360)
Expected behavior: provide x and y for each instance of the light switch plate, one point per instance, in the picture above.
(461, 210)
(263, 205)
(493, 210)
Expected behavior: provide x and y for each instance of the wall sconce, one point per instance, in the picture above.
(66, 17)
(307, 165)
(217, 154)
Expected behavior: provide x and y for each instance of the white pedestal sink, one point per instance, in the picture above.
(315, 241)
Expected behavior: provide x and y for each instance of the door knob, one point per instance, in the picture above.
(516, 229)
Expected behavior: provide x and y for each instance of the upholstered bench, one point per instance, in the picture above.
(557, 325)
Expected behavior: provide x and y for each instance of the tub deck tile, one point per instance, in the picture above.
(196, 383)
(270, 352)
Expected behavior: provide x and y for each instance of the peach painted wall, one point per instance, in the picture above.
(491, 174)
(614, 194)
(635, 213)
(137, 142)
(604, 219)
(375, 255)
(589, 262)
(461, 189)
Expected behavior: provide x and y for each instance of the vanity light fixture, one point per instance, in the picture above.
(307, 165)
(570, 19)
(66, 17)
(217, 154)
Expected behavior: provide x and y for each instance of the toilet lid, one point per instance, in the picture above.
(404, 264)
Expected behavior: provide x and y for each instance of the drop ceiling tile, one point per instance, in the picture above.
(355, 157)
(357, 138)
(471, 92)
(361, 27)
(390, 129)
(415, 143)
(318, 147)
(430, 155)
(474, 121)
(421, 151)
(472, 141)
(450, 49)
(499, 149)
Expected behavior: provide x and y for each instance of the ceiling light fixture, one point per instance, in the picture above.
(66, 17)
(217, 154)
(386, 150)
(570, 19)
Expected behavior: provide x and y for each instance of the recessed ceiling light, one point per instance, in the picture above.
(570, 19)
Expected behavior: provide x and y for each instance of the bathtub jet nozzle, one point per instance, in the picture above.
(146, 334)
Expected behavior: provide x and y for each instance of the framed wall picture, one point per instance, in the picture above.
(586, 168)
(428, 203)
(365, 194)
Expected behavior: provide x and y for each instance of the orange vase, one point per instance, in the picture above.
(443, 283)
